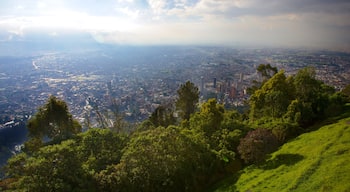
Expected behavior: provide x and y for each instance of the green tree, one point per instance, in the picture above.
(99, 148)
(209, 118)
(157, 160)
(188, 96)
(307, 86)
(272, 99)
(265, 72)
(68, 166)
(220, 129)
(312, 98)
(52, 168)
(54, 121)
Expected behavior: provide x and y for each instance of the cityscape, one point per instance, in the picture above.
(139, 79)
(174, 95)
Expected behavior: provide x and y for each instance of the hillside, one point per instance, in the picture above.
(315, 161)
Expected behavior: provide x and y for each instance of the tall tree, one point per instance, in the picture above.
(265, 72)
(272, 99)
(312, 96)
(209, 118)
(188, 98)
(53, 121)
(307, 86)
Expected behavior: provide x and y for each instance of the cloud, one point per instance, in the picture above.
(319, 23)
(130, 13)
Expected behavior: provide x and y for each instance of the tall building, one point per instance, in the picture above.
(109, 87)
(241, 76)
(202, 85)
(214, 82)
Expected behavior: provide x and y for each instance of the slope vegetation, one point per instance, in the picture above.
(315, 161)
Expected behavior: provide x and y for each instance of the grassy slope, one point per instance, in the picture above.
(315, 161)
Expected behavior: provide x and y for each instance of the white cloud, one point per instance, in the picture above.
(130, 13)
(278, 22)
(157, 8)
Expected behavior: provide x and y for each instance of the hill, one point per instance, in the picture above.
(314, 161)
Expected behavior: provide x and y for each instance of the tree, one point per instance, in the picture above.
(265, 71)
(272, 99)
(68, 166)
(157, 160)
(99, 148)
(162, 116)
(254, 147)
(188, 98)
(220, 130)
(312, 97)
(209, 118)
(118, 119)
(52, 168)
(307, 86)
(54, 121)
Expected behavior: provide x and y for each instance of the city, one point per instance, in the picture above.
(140, 79)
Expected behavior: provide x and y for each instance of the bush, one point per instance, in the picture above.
(254, 147)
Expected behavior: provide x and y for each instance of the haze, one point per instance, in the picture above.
(287, 23)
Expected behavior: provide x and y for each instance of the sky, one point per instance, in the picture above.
(279, 23)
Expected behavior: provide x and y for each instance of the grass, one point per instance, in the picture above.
(314, 161)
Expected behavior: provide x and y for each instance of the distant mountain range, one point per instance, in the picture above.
(30, 44)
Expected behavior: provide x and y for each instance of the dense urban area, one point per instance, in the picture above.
(139, 79)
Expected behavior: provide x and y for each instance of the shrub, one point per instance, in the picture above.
(254, 147)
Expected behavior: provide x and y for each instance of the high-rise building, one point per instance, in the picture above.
(214, 82)
(241, 76)
(109, 87)
(202, 85)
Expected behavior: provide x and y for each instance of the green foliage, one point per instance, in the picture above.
(315, 161)
(335, 104)
(52, 168)
(300, 99)
(100, 148)
(157, 160)
(209, 118)
(145, 125)
(68, 166)
(272, 99)
(188, 98)
(254, 147)
(54, 121)
(307, 85)
(266, 71)
(220, 129)
(312, 97)
(346, 92)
